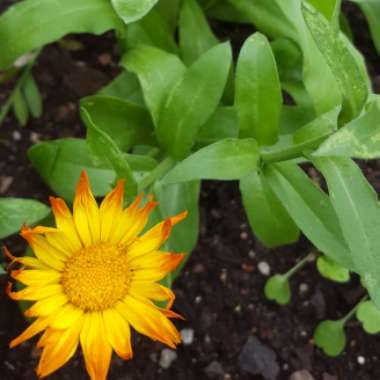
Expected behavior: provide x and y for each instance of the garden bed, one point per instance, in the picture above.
(221, 290)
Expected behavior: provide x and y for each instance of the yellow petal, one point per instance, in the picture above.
(148, 320)
(155, 237)
(35, 293)
(36, 277)
(95, 346)
(154, 266)
(118, 333)
(43, 250)
(111, 210)
(66, 316)
(37, 326)
(132, 221)
(47, 306)
(86, 212)
(60, 346)
(152, 291)
(25, 260)
(65, 223)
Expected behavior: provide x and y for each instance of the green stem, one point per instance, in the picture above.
(8, 104)
(352, 312)
(298, 266)
(161, 169)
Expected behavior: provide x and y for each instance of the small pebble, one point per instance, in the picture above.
(35, 137)
(198, 268)
(301, 375)
(214, 369)
(187, 336)
(198, 299)
(16, 135)
(303, 287)
(361, 360)
(207, 339)
(251, 254)
(244, 235)
(167, 358)
(223, 275)
(237, 309)
(264, 268)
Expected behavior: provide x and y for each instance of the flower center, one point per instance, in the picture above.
(96, 277)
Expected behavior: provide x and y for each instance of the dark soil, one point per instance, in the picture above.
(221, 290)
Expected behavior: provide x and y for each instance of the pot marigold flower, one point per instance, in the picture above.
(93, 277)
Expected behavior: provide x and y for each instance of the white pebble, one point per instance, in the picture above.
(244, 235)
(167, 357)
(16, 135)
(264, 268)
(187, 336)
(303, 287)
(198, 299)
(251, 254)
(361, 360)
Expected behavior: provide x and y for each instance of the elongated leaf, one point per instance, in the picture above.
(371, 9)
(311, 210)
(157, 71)
(132, 10)
(221, 125)
(258, 98)
(359, 139)
(60, 163)
(153, 30)
(20, 108)
(32, 96)
(343, 65)
(169, 10)
(195, 34)
(278, 18)
(30, 24)
(102, 145)
(267, 216)
(308, 137)
(14, 212)
(358, 210)
(225, 160)
(125, 86)
(329, 8)
(193, 100)
(126, 124)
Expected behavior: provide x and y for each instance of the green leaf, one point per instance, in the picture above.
(193, 100)
(2, 270)
(268, 218)
(347, 72)
(311, 210)
(195, 34)
(304, 139)
(60, 163)
(153, 30)
(103, 146)
(32, 96)
(157, 71)
(127, 124)
(227, 159)
(30, 24)
(278, 18)
(371, 9)
(357, 207)
(331, 270)
(277, 289)
(329, 8)
(330, 337)
(221, 125)
(126, 86)
(369, 315)
(174, 199)
(20, 107)
(132, 10)
(359, 139)
(258, 98)
(14, 212)
(169, 10)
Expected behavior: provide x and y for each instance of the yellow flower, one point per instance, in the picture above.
(93, 277)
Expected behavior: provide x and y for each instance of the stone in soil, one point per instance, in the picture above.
(301, 375)
(257, 358)
(167, 358)
(187, 336)
(214, 369)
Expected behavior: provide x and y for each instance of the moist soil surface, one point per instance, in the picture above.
(221, 289)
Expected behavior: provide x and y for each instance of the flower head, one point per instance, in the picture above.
(94, 277)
